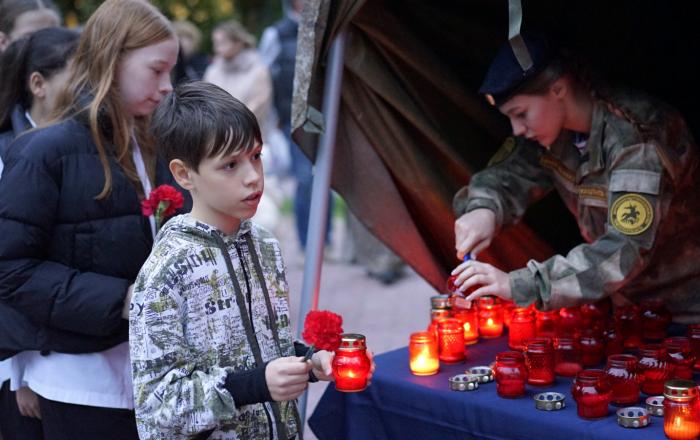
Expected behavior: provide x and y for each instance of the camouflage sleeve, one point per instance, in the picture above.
(513, 180)
(173, 396)
(639, 198)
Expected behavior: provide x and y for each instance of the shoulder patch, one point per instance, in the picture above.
(506, 149)
(631, 214)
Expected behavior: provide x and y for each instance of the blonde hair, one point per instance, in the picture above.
(236, 32)
(115, 28)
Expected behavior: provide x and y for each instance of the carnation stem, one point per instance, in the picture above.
(309, 353)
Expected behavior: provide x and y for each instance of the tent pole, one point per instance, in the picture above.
(319, 193)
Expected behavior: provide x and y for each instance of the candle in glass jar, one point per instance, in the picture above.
(522, 327)
(423, 354)
(681, 417)
(451, 341)
(490, 317)
(350, 364)
(510, 373)
(681, 357)
(467, 314)
(592, 393)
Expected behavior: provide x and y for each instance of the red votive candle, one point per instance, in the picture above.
(653, 369)
(490, 317)
(593, 315)
(567, 356)
(423, 354)
(681, 417)
(522, 327)
(629, 322)
(350, 364)
(546, 323)
(539, 360)
(508, 307)
(655, 319)
(622, 375)
(681, 357)
(451, 341)
(694, 335)
(511, 374)
(614, 343)
(592, 392)
(467, 315)
(570, 322)
(592, 347)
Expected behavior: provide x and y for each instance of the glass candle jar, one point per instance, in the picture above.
(593, 315)
(490, 317)
(546, 323)
(511, 374)
(423, 354)
(694, 335)
(439, 307)
(680, 355)
(438, 314)
(350, 364)
(629, 322)
(467, 314)
(522, 327)
(681, 416)
(570, 322)
(653, 369)
(451, 341)
(567, 356)
(539, 360)
(614, 343)
(508, 307)
(433, 327)
(655, 319)
(592, 347)
(592, 393)
(621, 370)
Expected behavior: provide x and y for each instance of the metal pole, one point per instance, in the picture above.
(319, 193)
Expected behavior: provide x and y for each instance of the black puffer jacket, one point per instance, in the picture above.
(66, 259)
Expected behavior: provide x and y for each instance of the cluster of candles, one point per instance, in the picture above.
(568, 342)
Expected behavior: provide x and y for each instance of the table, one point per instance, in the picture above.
(399, 405)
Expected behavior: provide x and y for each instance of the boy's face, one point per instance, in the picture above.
(227, 189)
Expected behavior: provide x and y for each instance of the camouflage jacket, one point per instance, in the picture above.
(190, 327)
(635, 192)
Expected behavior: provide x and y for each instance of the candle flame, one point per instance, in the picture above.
(467, 327)
(490, 321)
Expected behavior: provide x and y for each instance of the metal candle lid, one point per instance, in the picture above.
(440, 302)
(549, 401)
(679, 390)
(655, 405)
(352, 342)
(464, 382)
(633, 417)
(484, 373)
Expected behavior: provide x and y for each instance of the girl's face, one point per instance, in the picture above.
(224, 47)
(143, 76)
(536, 117)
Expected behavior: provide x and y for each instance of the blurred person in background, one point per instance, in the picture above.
(22, 17)
(238, 68)
(191, 63)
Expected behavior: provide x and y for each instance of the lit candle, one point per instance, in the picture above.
(451, 341)
(490, 317)
(423, 354)
(350, 364)
(681, 420)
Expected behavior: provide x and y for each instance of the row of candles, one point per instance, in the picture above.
(564, 342)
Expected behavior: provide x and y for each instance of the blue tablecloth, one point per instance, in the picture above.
(399, 405)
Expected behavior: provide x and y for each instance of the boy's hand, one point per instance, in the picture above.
(321, 362)
(287, 377)
(28, 403)
(489, 279)
(474, 231)
(127, 302)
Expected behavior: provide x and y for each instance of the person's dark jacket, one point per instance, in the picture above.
(18, 124)
(66, 258)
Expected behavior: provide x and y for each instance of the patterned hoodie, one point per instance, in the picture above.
(200, 310)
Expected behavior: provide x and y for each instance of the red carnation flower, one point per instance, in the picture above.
(162, 203)
(322, 329)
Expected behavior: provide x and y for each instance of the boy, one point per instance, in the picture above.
(210, 338)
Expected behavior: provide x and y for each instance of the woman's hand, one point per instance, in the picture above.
(321, 362)
(488, 279)
(287, 377)
(28, 403)
(474, 231)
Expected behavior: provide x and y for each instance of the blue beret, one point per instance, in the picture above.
(505, 75)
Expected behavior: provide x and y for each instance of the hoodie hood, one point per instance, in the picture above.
(202, 231)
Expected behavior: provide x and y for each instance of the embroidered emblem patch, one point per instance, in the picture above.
(506, 149)
(631, 214)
